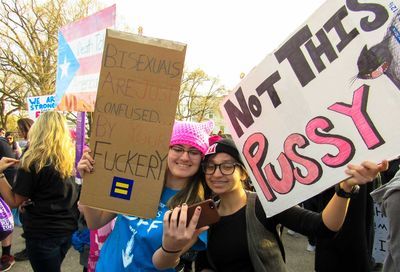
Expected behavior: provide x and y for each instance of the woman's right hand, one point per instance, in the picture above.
(177, 235)
(177, 238)
(7, 162)
(85, 165)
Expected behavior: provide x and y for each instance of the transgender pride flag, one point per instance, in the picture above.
(80, 51)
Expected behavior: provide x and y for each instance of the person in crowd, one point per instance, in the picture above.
(394, 166)
(45, 177)
(2, 132)
(81, 241)
(311, 204)
(7, 260)
(131, 244)
(356, 235)
(389, 197)
(14, 145)
(24, 125)
(245, 239)
(97, 240)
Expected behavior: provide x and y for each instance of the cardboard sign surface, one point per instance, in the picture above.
(327, 97)
(132, 125)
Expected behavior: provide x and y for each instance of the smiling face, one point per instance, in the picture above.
(183, 161)
(222, 184)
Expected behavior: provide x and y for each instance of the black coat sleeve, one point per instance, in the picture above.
(304, 222)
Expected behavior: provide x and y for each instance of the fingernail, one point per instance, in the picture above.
(184, 204)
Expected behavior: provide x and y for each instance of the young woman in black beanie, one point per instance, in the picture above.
(245, 239)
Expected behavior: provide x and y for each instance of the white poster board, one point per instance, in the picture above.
(327, 97)
(39, 104)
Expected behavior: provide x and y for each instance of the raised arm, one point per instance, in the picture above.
(334, 213)
(94, 218)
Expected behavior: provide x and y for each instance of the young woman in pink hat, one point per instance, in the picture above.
(133, 241)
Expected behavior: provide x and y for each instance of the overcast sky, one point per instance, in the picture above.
(224, 37)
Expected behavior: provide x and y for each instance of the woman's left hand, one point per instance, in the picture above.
(365, 172)
(7, 162)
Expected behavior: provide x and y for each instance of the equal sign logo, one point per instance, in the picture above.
(121, 188)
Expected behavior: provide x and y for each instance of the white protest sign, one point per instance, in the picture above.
(327, 97)
(39, 104)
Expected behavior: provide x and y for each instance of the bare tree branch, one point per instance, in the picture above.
(199, 96)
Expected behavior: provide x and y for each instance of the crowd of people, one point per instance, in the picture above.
(39, 181)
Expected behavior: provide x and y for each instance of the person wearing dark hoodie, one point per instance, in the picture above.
(388, 196)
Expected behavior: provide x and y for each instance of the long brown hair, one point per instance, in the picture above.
(24, 124)
(191, 194)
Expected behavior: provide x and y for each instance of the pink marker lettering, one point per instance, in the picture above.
(344, 145)
(314, 169)
(360, 117)
(255, 150)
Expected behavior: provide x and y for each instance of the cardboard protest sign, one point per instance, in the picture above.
(132, 125)
(327, 97)
(39, 104)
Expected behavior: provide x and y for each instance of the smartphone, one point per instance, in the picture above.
(209, 213)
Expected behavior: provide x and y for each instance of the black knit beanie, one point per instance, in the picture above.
(224, 145)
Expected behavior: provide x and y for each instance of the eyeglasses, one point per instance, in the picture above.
(178, 151)
(226, 168)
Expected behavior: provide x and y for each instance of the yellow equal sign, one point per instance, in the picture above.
(121, 188)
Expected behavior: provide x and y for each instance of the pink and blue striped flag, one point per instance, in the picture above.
(80, 50)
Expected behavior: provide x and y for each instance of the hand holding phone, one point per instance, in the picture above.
(179, 234)
(209, 213)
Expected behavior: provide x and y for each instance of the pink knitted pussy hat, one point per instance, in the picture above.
(192, 133)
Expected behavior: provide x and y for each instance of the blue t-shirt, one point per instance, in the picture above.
(133, 241)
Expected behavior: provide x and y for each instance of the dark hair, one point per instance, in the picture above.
(24, 124)
(224, 145)
(14, 143)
